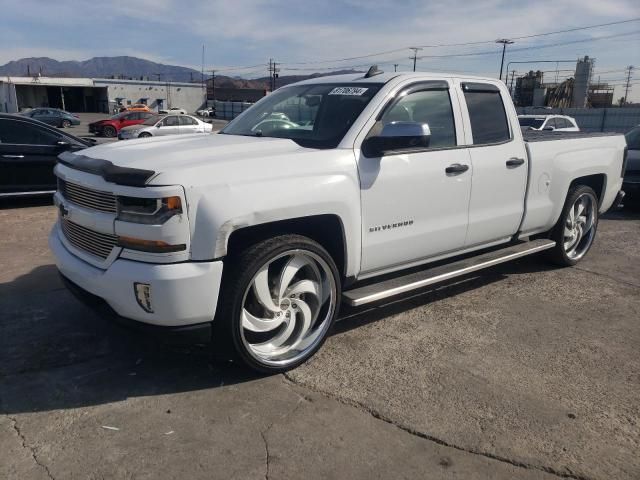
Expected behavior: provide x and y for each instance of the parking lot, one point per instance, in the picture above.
(524, 371)
(82, 130)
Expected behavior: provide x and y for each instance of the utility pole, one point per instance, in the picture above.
(275, 75)
(626, 88)
(271, 74)
(395, 67)
(513, 74)
(202, 84)
(415, 56)
(504, 42)
(213, 85)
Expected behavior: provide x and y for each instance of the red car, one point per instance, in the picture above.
(112, 125)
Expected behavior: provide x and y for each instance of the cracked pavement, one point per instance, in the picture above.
(521, 372)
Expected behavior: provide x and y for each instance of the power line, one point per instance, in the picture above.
(480, 42)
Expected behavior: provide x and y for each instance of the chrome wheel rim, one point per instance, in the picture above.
(287, 307)
(580, 227)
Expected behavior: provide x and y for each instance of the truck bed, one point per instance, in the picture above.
(541, 136)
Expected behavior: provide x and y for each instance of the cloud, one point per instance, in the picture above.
(249, 32)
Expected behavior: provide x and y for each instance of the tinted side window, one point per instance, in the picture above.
(23, 133)
(187, 121)
(432, 107)
(488, 119)
(170, 122)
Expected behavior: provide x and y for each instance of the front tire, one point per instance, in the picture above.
(144, 135)
(576, 228)
(66, 124)
(279, 300)
(109, 131)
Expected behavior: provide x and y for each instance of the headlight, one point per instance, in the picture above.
(149, 211)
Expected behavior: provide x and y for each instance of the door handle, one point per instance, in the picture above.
(12, 156)
(515, 162)
(456, 169)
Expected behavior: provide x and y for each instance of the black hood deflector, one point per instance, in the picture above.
(132, 177)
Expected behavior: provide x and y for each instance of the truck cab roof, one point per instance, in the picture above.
(359, 78)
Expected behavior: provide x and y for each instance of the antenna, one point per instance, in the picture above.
(373, 71)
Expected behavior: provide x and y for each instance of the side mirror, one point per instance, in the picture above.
(397, 136)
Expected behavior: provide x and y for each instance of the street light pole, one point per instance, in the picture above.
(504, 42)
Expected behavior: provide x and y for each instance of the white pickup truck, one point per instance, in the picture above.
(326, 190)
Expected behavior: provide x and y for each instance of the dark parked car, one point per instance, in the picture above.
(111, 126)
(53, 116)
(28, 153)
(631, 183)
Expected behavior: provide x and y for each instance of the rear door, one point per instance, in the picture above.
(499, 163)
(189, 125)
(28, 153)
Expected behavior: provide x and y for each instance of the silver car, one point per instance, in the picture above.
(159, 125)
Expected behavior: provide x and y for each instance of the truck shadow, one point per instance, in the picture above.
(57, 354)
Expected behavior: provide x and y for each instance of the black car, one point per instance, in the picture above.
(28, 153)
(53, 116)
(631, 182)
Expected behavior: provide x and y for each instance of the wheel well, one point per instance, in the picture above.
(325, 229)
(596, 182)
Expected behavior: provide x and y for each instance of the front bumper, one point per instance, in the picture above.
(182, 294)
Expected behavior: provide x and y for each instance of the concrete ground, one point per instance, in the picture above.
(524, 371)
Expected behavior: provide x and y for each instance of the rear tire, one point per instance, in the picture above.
(576, 228)
(278, 302)
(144, 135)
(109, 131)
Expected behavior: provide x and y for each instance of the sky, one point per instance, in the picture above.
(304, 36)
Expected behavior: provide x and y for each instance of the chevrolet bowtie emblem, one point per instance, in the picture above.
(63, 211)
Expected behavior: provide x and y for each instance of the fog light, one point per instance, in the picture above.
(143, 296)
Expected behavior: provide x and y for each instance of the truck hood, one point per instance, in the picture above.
(178, 153)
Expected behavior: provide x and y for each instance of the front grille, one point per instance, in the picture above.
(95, 243)
(88, 197)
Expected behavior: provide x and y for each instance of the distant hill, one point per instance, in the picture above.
(135, 68)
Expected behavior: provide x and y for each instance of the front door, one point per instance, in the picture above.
(414, 204)
(28, 154)
(169, 126)
(499, 166)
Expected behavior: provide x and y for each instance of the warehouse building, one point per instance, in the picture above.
(98, 95)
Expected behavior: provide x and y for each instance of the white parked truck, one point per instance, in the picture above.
(326, 190)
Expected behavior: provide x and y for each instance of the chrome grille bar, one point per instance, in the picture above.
(90, 241)
(88, 197)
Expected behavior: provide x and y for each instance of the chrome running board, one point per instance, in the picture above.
(413, 281)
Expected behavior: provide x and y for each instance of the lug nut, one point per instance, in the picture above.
(294, 305)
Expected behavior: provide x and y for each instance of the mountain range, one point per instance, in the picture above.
(136, 68)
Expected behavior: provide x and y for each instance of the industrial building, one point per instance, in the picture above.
(99, 95)
(575, 92)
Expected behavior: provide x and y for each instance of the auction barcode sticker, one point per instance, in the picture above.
(357, 91)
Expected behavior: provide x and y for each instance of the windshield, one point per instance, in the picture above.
(152, 120)
(531, 122)
(315, 116)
